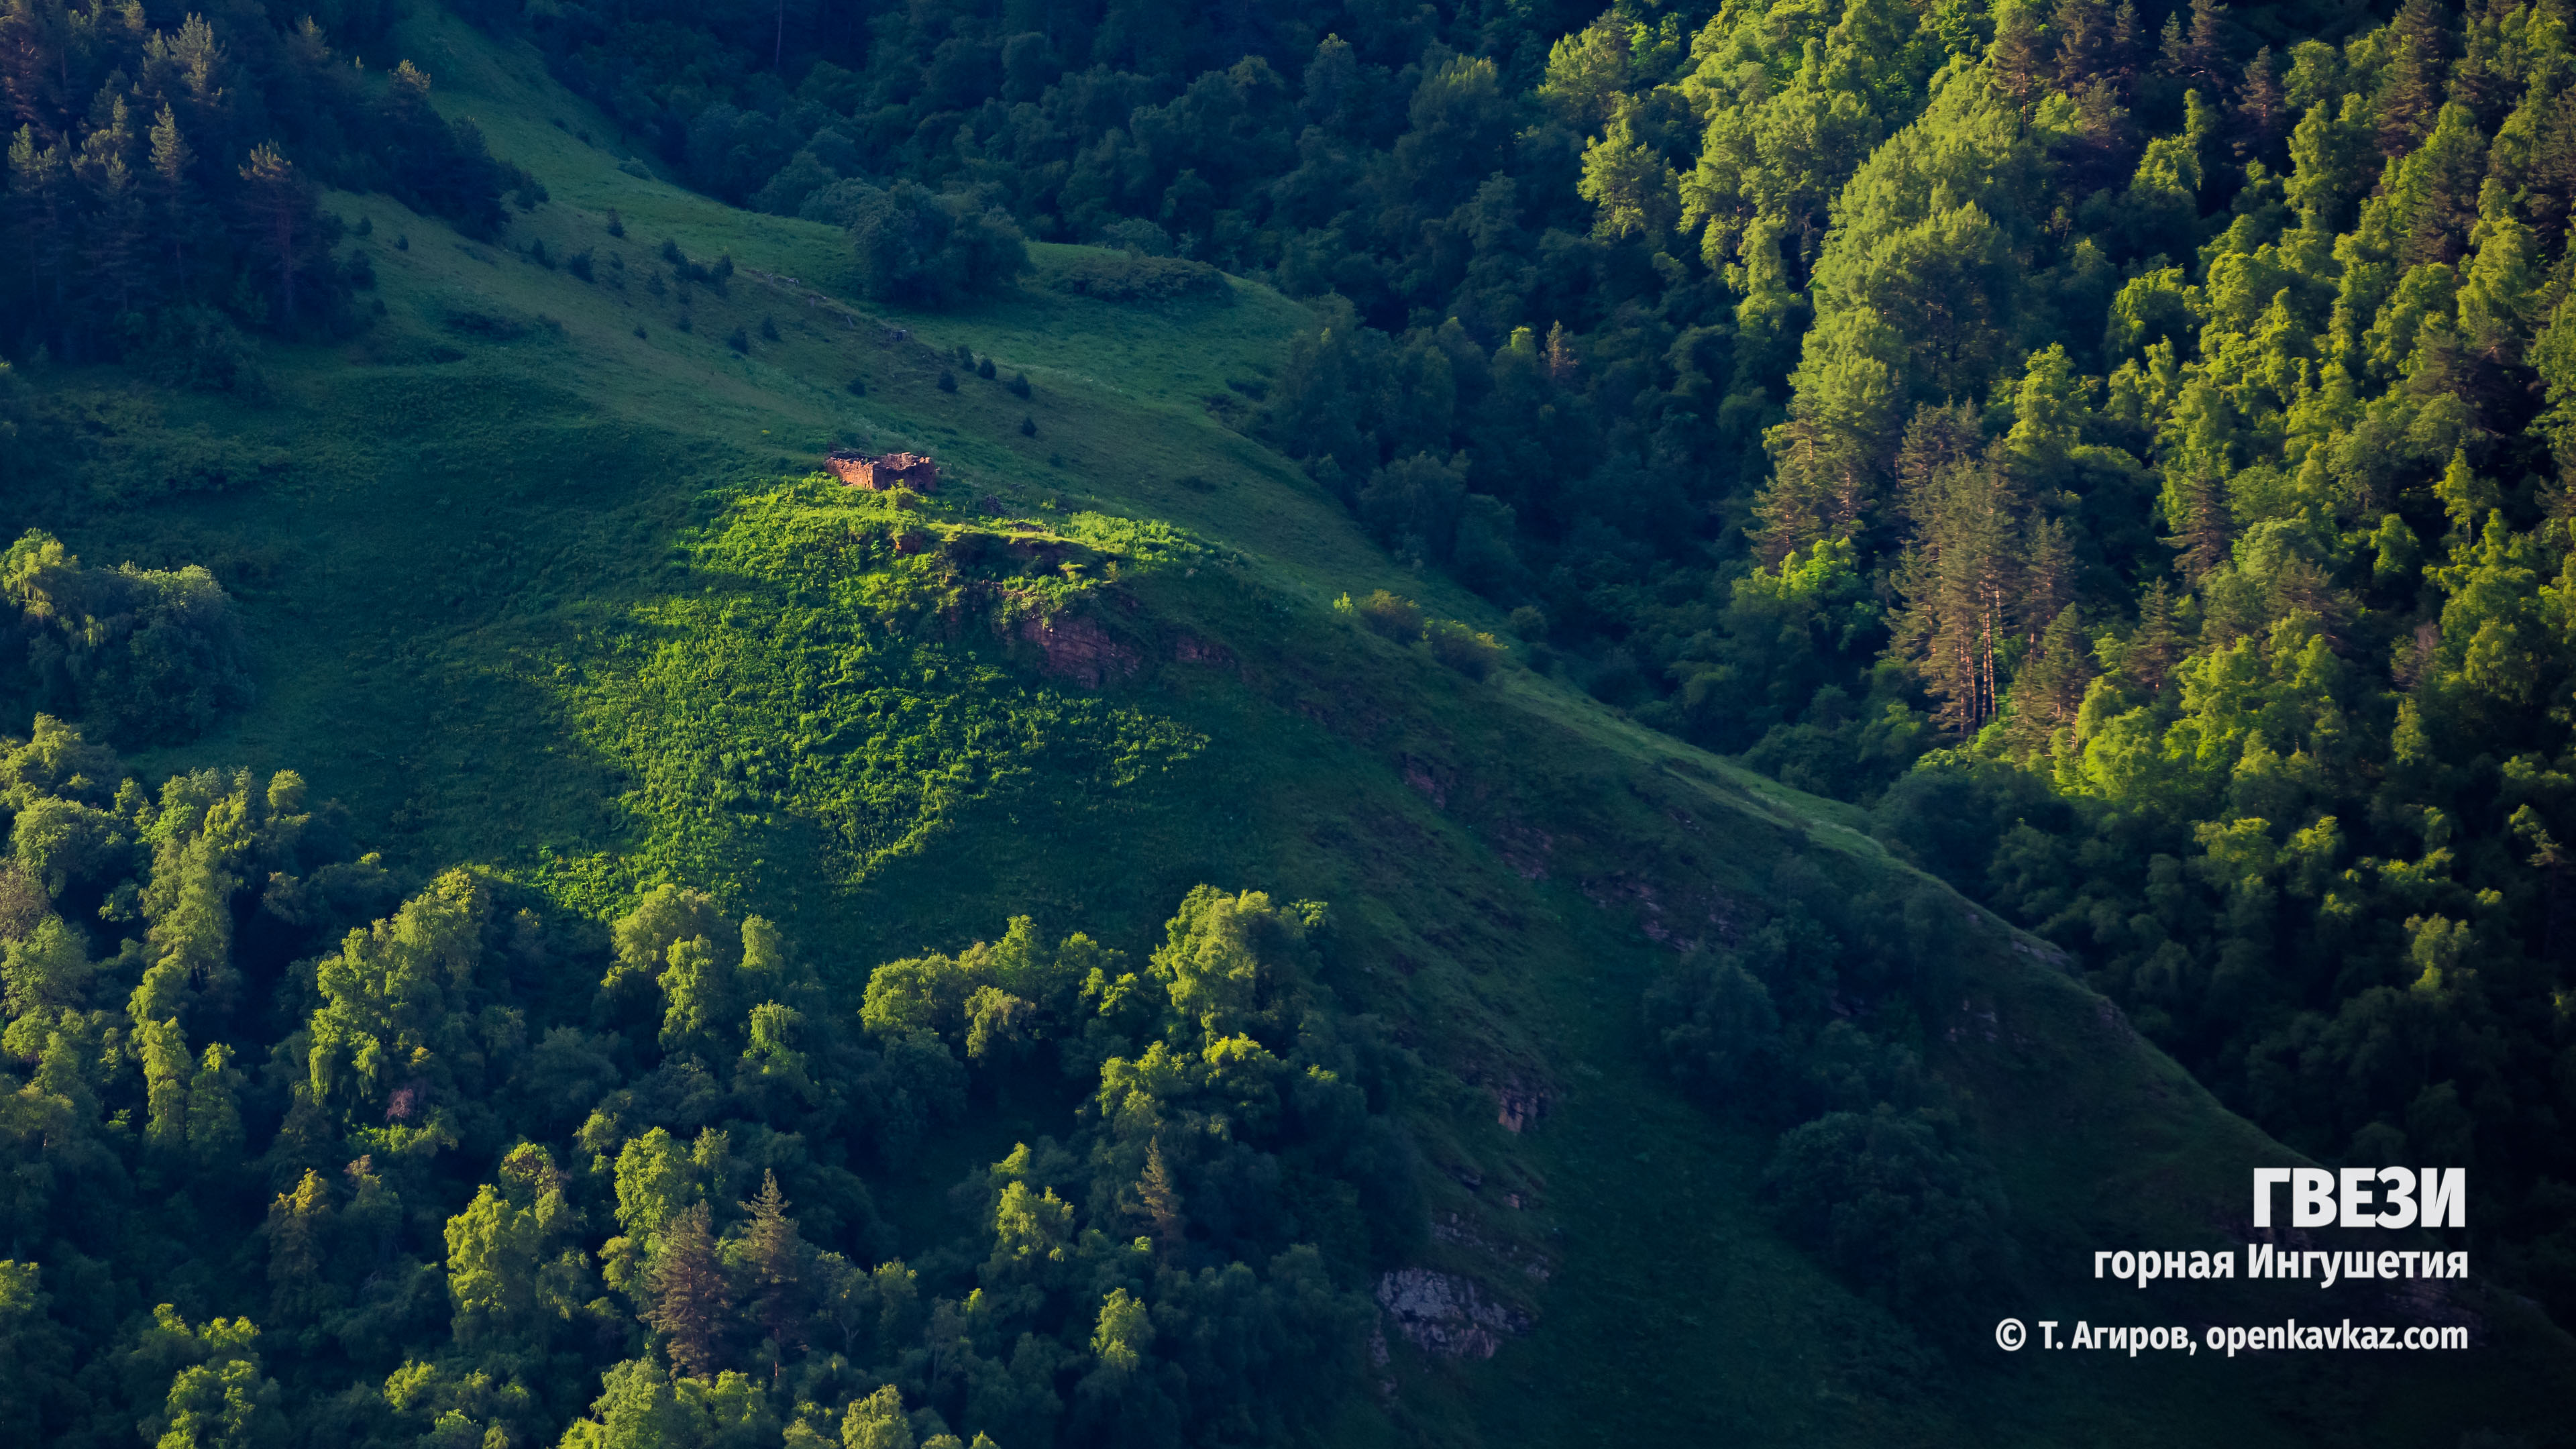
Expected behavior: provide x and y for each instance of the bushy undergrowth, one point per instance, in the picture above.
(1472, 652)
(1134, 277)
(306, 1150)
(1815, 1023)
(144, 656)
(829, 681)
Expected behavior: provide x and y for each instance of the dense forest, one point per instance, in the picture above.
(2131, 454)
(486, 1171)
(2123, 448)
(164, 173)
(305, 1147)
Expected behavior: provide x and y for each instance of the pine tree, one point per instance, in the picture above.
(2048, 689)
(2048, 579)
(1161, 1198)
(687, 1297)
(1959, 577)
(2202, 540)
(39, 195)
(278, 210)
(174, 208)
(2126, 37)
(2261, 111)
(2196, 51)
(775, 1255)
(1936, 438)
(1561, 363)
(2083, 31)
(2154, 645)
(2550, 173)
(2410, 89)
(1813, 489)
(114, 242)
(2435, 190)
(2018, 57)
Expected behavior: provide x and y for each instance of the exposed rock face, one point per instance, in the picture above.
(1079, 650)
(1445, 1314)
(1702, 915)
(1524, 848)
(1189, 650)
(881, 473)
(1427, 778)
(1520, 1104)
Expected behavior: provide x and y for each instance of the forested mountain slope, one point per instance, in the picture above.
(599, 934)
(2124, 446)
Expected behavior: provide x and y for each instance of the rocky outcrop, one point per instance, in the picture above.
(1191, 650)
(1519, 1104)
(883, 472)
(1077, 649)
(1524, 848)
(1444, 1314)
(1680, 925)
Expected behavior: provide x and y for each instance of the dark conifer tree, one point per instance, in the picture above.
(2201, 540)
(41, 219)
(2261, 113)
(2550, 174)
(2128, 40)
(1160, 1197)
(2019, 58)
(114, 250)
(2410, 88)
(2082, 29)
(774, 1260)
(2153, 645)
(687, 1297)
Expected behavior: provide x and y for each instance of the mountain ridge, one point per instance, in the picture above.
(1509, 862)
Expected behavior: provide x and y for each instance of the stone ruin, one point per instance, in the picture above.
(881, 473)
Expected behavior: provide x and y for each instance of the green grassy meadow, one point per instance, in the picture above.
(540, 577)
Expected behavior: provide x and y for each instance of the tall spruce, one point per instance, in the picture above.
(775, 1258)
(688, 1299)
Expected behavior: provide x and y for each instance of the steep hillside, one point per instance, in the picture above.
(539, 576)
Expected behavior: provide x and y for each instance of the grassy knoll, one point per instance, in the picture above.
(539, 577)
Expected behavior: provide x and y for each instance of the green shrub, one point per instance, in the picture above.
(925, 250)
(1128, 277)
(1891, 1202)
(1469, 652)
(145, 656)
(1397, 618)
(198, 348)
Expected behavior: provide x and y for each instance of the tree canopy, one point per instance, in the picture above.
(476, 1194)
